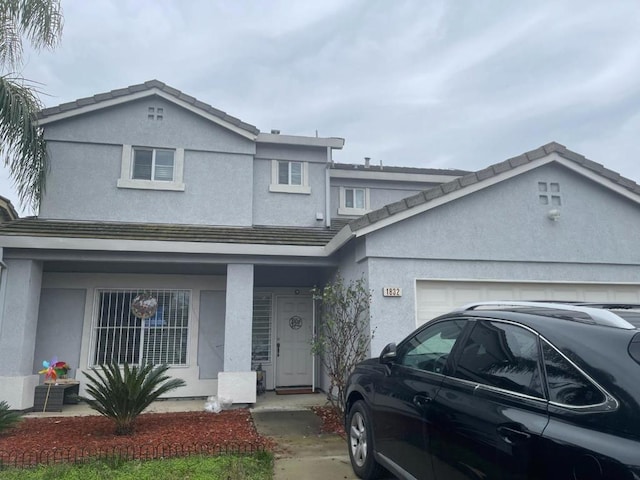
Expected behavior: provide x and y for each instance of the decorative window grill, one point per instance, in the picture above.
(261, 329)
(119, 336)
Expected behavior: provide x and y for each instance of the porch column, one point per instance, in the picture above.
(238, 318)
(19, 305)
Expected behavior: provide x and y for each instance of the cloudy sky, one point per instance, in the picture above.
(426, 83)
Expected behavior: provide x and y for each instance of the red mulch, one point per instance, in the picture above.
(230, 430)
(332, 421)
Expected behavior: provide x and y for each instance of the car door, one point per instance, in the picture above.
(489, 415)
(400, 406)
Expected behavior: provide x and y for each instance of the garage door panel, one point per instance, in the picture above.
(437, 297)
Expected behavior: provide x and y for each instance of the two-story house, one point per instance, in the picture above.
(172, 232)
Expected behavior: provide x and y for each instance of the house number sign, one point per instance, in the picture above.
(391, 292)
(295, 322)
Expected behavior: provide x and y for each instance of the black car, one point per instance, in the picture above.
(503, 390)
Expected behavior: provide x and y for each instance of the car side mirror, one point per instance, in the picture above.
(388, 354)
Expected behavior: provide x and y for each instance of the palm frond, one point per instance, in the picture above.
(123, 393)
(23, 148)
(39, 21)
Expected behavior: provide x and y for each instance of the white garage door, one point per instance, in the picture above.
(437, 297)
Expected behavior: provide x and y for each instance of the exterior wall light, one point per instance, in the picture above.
(554, 214)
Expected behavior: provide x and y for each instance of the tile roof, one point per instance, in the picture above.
(262, 235)
(486, 173)
(149, 85)
(385, 169)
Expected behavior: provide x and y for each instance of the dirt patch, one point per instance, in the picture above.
(332, 421)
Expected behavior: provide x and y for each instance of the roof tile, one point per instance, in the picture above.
(377, 215)
(397, 207)
(148, 85)
(434, 192)
(468, 180)
(519, 160)
(536, 154)
(417, 199)
(34, 227)
(485, 173)
(501, 167)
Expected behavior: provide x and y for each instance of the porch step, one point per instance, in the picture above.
(293, 390)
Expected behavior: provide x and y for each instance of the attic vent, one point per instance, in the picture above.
(275, 132)
(155, 113)
(549, 193)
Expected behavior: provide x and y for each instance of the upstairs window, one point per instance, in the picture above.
(354, 201)
(151, 168)
(289, 177)
(289, 173)
(152, 164)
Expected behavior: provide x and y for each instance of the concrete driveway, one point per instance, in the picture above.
(304, 452)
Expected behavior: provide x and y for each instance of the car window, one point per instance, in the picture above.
(504, 356)
(567, 385)
(429, 349)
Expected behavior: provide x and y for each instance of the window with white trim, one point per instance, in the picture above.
(289, 177)
(261, 329)
(152, 164)
(160, 336)
(152, 168)
(354, 201)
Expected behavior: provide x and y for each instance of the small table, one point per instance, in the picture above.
(59, 393)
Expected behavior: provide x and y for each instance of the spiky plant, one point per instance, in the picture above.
(121, 394)
(8, 418)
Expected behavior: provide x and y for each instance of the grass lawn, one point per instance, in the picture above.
(258, 466)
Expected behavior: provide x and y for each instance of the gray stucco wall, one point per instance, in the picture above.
(20, 316)
(60, 324)
(211, 333)
(289, 209)
(86, 156)
(506, 222)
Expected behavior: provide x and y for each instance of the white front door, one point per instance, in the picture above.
(294, 362)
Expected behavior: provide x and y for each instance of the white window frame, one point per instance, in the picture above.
(280, 188)
(344, 210)
(126, 172)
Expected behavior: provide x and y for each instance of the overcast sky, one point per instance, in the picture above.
(425, 83)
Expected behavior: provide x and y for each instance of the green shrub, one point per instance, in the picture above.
(122, 395)
(8, 418)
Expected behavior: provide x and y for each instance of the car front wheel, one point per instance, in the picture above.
(360, 443)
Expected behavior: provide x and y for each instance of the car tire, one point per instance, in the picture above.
(360, 443)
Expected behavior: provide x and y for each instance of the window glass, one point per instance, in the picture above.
(504, 356)
(142, 164)
(359, 198)
(429, 349)
(283, 173)
(296, 173)
(164, 165)
(348, 198)
(566, 384)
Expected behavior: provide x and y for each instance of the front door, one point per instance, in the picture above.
(294, 332)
